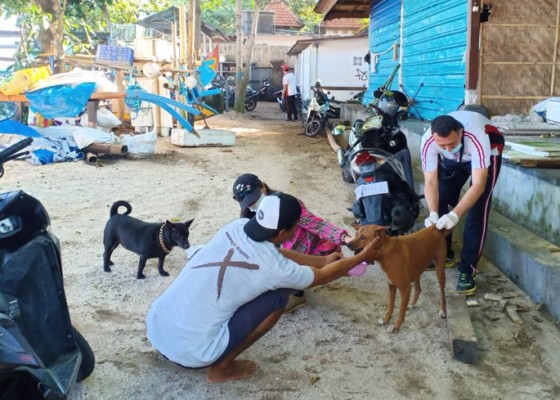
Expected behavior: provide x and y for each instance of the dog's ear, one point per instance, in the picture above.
(188, 223)
(381, 231)
(169, 224)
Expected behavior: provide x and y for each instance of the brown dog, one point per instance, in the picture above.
(403, 259)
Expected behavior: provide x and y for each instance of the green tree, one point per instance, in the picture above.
(304, 11)
(51, 26)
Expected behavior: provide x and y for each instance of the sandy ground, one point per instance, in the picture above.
(330, 349)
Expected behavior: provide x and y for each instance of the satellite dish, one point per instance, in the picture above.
(150, 70)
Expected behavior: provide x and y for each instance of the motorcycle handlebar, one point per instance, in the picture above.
(8, 152)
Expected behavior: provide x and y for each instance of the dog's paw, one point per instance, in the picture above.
(140, 276)
(392, 329)
(111, 263)
(442, 314)
(164, 273)
(106, 269)
(381, 321)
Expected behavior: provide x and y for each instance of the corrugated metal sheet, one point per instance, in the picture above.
(384, 32)
(433, 58)
(433, 50)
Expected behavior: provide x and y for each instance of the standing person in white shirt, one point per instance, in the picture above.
(235, 288)
(289, 91)
(457, 146)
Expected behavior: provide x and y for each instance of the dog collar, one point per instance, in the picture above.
(161, 242)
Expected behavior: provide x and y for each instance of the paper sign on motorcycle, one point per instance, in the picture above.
(371, 189)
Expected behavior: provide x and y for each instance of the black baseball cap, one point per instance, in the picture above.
(246, 189)
(276, 212)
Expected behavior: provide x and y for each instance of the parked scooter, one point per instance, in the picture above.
(378, 160)
(41, 354)
(318, 111)
(252, 95)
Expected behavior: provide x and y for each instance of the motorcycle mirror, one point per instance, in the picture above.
(7, 110)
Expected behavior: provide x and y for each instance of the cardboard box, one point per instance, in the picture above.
(208, 137)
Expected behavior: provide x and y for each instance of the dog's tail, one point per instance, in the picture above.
(120, 203)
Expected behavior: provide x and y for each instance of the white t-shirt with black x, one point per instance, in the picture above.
(188, 323)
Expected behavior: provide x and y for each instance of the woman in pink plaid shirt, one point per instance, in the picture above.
(314, 235)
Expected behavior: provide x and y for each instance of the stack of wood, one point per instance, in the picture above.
(533, 153)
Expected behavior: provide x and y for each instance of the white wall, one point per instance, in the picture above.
(334, 62)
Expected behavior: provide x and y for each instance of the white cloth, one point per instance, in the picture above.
(290, 80)
(188, 323)
(476, 146)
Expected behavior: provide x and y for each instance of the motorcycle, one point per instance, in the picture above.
(41, 354)
(378, 160)
(253, 95)
(317, 111)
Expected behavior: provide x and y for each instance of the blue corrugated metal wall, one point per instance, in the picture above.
(433, 51)
(384, 31)
(434, 46)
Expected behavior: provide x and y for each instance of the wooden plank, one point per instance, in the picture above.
(533, 147)
(525, 160)
(464, 343)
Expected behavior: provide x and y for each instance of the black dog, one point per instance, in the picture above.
(149, 240)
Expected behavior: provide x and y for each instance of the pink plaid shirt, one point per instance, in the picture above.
(314, 234)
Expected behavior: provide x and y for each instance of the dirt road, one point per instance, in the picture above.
(330, 349)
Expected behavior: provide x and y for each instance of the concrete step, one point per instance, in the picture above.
(531, 262)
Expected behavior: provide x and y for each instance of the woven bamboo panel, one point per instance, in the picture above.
(518, 36)
(503, 107)
(518, 43)
(556, 91)
(523, 11)
(516, 80)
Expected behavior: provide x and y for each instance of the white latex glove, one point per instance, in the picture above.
(448, 221)
(432, 219)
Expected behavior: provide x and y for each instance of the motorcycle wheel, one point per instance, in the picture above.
(346, 175)
(313, 127)
(250, 104)
(88, 358)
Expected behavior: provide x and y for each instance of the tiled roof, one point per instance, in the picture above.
(284, 17)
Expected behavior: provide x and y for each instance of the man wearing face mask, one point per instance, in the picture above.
(457, 146)
(313, 235)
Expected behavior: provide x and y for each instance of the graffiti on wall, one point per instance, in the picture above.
(361, 74)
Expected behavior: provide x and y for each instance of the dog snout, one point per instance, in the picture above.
(352, 246)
